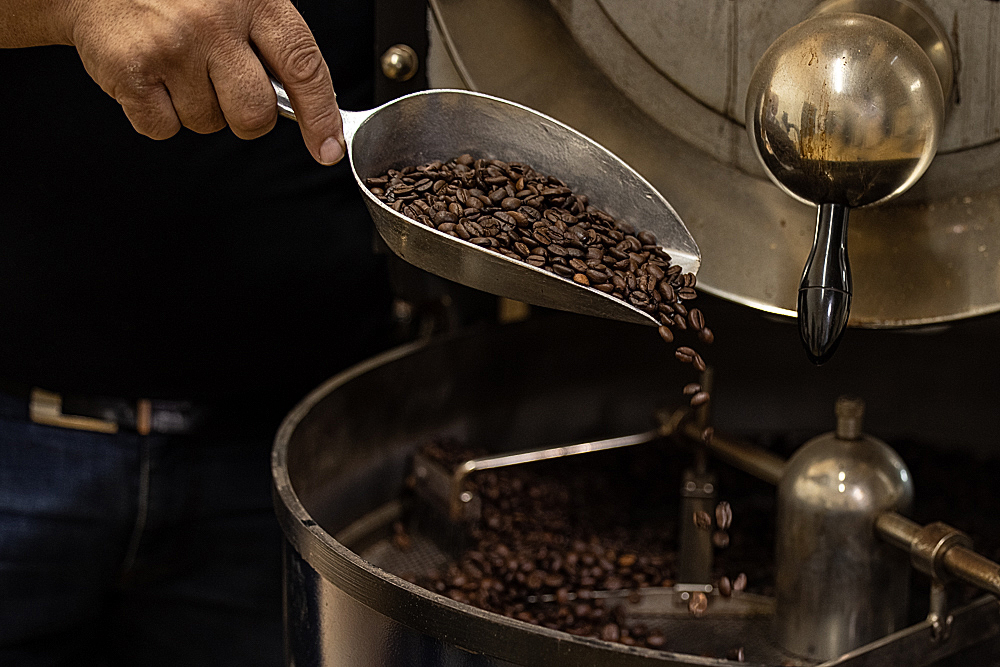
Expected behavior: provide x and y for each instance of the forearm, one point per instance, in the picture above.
(35, 22)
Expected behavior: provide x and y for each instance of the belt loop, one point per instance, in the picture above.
(143, 416)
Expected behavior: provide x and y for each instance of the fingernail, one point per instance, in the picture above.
(331, 152)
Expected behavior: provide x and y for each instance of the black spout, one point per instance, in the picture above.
(824, 303)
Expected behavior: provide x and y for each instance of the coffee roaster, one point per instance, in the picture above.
(867, 569)
(869, 479)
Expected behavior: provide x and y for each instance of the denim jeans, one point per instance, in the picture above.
(136, 550)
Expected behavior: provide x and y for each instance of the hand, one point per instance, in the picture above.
(200, 64)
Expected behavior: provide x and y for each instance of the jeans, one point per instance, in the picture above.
(136, 550)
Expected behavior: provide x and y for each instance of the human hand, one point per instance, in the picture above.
(200, 64)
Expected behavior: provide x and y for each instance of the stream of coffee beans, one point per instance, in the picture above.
(513, 210)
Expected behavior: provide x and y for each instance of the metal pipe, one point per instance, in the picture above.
(957, 560)
(752, 460)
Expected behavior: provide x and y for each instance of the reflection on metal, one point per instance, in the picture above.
(662, 85)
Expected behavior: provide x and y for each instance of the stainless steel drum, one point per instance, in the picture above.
(342, 456)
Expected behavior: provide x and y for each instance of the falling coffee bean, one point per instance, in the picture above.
(699, 399)
(740, 583)
(698, 604)
(685, 354)
(723, 515)
(702, 520)
(725, 587)
(720, 539)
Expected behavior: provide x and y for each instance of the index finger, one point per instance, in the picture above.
(287, 47)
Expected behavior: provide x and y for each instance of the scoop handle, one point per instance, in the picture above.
(351, 119)
(824, 303)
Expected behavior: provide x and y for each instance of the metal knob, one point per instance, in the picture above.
(844, 110)
(399, 62)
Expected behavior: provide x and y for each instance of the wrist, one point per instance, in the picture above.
(26, 23)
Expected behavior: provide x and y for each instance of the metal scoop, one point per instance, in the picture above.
(442, 124)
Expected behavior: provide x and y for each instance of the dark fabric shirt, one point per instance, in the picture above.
(196, 267)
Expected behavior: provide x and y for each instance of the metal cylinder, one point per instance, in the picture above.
(838, 585)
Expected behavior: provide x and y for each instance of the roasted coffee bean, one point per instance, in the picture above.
(698, 363)
(720, 539)
(723, 515)
(699, 399)
(702, 520)
(666, 334)
(595, 277)
(691, 389)
(647, 238)
(581, 279)
(736, 654)
(685, 354)
(444, 216)
(698, 604)
(535, 260)
(696, 319)
(687, 293)
(707, 434)
(740, 583)
(563, 271)
(706, 336)
(725, 587)
(611, 632)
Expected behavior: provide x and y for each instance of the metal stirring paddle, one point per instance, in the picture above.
(442, 124)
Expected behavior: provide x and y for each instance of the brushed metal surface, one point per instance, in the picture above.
(838, 585)
(932, 255)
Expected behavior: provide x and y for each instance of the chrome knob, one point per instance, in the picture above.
(399, 63)
(844, 110)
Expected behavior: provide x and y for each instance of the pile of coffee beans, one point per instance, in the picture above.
(548, 539)
(511, 209)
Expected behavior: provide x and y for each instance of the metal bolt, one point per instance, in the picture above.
(850, 411)
(399, 62)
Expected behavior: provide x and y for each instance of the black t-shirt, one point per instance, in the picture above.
(196, 267)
